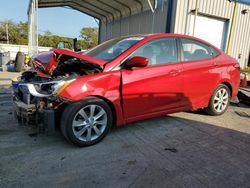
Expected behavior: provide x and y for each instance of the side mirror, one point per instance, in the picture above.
(60, 45)
(137, 61)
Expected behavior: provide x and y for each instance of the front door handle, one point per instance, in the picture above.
(174, 72)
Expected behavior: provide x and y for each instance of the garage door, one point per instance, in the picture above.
(209, 29)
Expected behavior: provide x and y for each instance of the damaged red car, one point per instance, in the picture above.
(121, 81)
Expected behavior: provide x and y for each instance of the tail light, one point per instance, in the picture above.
(237, 65)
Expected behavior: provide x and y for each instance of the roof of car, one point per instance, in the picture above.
(150, 36)
(155, 35)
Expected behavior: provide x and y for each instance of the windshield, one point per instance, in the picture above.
(113, 48)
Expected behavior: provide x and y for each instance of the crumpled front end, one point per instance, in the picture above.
(36, 93)
(37, 103)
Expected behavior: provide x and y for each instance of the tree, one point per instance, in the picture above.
(18, 32)
(90, 35)
(47, 32)
(51, 40)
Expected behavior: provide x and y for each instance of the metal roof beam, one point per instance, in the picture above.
(93, 5)
(123, 4)
(140, 3)
(105, 10)
(74, 5)
(100, 1)
(88, 13)
(91, 10)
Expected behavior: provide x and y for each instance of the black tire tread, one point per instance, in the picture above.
(210, 110)
(68, 115)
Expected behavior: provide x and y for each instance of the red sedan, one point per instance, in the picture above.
(125, 80)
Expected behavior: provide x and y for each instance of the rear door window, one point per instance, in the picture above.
(194, 50)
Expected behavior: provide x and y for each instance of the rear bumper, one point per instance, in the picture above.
(28, 114)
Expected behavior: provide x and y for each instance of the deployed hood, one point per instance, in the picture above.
(52, 71)
(48, 61)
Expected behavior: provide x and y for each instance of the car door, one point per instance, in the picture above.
(157, 87)
(201, 71)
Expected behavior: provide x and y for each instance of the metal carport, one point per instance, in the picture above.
(106, 11)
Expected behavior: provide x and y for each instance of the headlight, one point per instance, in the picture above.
(48, 88)
(58, 88)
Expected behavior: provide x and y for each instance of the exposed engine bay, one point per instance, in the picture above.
(36, 90)
(46, 85)
(67, 66)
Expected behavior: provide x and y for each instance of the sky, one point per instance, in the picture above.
(60, 21)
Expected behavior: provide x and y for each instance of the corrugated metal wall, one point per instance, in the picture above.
(240, 41)
(145, 22)
(148, 22)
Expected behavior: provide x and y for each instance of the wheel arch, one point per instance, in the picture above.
(110, 104)
(229, 86)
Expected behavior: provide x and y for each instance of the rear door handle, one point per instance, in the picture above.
(215, 64)
(174, 72)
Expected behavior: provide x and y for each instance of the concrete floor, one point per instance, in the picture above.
(5, 77)
(180, 150)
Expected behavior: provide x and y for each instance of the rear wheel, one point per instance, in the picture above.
(219, 101)
(87, 122)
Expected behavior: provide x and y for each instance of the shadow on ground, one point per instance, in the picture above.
(165, 151)
(172, 151)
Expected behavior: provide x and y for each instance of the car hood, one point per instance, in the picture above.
(48, 61)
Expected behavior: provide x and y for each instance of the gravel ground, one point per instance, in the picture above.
(187, 149)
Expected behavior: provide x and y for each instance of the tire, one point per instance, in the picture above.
(219, 101)
(19, 62)
(86, 122)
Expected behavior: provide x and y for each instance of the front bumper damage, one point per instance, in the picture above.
(32, 110)
(28, 114)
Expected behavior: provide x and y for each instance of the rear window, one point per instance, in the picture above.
(195, 50)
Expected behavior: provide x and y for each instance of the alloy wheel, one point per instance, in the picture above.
(221, 100)
(89, 123)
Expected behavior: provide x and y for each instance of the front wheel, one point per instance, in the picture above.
(219, 101)
(86, 122)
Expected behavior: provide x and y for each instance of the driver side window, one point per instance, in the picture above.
(159, 51)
